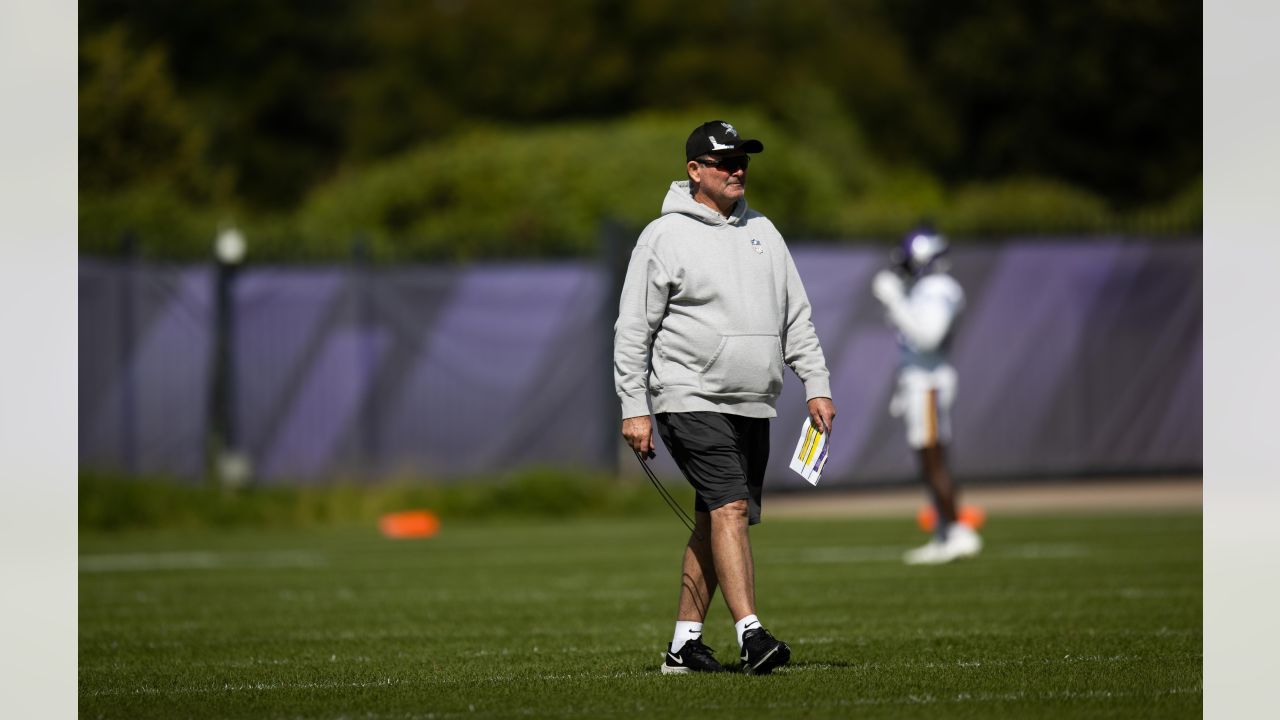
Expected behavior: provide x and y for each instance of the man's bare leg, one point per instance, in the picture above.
(687, 653)
(698, 577)
(933, 466)
(731, 551)
(950, 539)
(731, 548)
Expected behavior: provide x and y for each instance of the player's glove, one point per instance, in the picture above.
(887, 287)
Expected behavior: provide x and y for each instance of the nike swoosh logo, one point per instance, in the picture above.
(675, 658)
(759, 662)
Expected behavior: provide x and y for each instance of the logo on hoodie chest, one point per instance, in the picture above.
(755, 245)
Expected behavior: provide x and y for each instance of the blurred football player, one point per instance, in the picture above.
(922, 302)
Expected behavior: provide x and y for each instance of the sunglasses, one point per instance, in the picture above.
(729, 164)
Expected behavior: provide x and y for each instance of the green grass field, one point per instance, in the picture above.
(1061, 617)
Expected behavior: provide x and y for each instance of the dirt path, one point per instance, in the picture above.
(1120, 495)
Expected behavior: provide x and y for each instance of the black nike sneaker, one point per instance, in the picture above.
(762, 652)
(693, 657)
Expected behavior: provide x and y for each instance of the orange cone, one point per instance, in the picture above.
(409, 524)
(971, 515)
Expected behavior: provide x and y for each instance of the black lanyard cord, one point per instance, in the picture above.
(666, 495)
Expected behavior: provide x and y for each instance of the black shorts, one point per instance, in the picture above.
(722, 456)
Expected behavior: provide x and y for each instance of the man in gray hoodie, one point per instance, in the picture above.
(711, 309)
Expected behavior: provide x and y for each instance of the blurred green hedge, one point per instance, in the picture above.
(533, 193)
(541, 192)
(109, 503)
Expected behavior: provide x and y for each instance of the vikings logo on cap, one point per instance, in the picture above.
(718, 136)
(733, 137)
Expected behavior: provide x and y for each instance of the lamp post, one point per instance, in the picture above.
(231, 464)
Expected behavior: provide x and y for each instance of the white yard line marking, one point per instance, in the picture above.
(928, 699)
(901, 700)
(1016, 662)
(1040, 551)
(852, 554)
(198, 560)
(893, 553)
(148, 690)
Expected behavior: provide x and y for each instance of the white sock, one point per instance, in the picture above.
(685, 630)
(747, 623)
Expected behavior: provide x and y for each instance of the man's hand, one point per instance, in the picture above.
(821, 412)
(887, 287)
(638, 432)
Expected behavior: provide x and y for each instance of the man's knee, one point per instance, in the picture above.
(735, 511)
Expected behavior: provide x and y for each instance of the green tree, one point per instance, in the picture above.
(134, 129)
(268, 106)
(267, 79)
(1099, 93)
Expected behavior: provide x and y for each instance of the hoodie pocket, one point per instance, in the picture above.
(749, 363)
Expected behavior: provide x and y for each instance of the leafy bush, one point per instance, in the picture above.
(895, 203)
(1184, 212)
(545, 191)
(163, 224)
(1031, 205)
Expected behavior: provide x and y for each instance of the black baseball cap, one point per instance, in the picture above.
(717, 136)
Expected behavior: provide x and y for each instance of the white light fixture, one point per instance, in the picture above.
(230, 246)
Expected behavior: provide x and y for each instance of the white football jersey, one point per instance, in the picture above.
(932, 305)
(926, 389)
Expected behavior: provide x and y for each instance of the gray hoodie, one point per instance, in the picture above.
(711, 309)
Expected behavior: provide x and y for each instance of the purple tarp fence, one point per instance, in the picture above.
(1074, 357)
